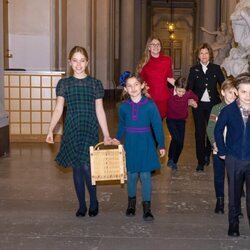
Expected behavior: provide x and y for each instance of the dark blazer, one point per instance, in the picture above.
(198, 81)
(238, 134)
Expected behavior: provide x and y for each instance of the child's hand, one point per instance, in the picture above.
(49, 138)
(107, 140)
(223, 157)
(215, 147)
(171, 81)
(192, 103)
(162, 152)
(115, 142)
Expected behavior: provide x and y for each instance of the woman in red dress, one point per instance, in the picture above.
(155, 68)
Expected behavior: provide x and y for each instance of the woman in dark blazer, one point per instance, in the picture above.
(204, 80)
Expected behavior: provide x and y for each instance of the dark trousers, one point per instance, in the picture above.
(82, 175)
(237, 171)
(177, 131)
(201, 116)
(219, 175)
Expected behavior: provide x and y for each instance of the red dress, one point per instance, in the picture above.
(155, 73)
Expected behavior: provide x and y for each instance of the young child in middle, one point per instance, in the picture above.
(180, 98)
(228, 94)
(138, 116)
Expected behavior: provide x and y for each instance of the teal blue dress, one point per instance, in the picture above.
(81, 128)
(137, 123)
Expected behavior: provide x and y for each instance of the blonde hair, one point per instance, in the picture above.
(83, 52)
(144, 91)
(229, 83)
(146, 54)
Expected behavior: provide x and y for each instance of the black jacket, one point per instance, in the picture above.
(198, 81)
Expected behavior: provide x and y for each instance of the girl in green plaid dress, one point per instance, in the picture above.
(82, 95)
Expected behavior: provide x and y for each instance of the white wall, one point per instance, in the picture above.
(29, 34)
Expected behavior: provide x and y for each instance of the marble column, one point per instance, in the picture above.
(208, 19)
(127, 35)
(4, 122)
(227, 8)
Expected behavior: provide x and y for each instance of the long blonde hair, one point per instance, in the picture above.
(146, 54)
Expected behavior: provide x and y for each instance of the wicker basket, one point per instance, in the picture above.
(107, 163)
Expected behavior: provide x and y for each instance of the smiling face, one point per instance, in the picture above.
(134, 88)
(204, 56)
(155, 48)
(244, 94)
(79, 63)
(229, 95)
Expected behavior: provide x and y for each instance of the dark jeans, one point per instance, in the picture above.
(237, 171)
(177, 131)
(201, 116)
(219, 175)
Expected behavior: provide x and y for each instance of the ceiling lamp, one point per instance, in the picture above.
(171, 25)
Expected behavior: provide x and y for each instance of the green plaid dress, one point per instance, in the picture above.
(81, 124)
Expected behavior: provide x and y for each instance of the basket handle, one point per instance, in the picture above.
(102, 143)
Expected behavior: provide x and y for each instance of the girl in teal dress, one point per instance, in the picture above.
(138, 116)
(82, 95)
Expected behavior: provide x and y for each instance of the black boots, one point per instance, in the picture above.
(233, 230)
(219, 208)
(131, 206)
(147, 215)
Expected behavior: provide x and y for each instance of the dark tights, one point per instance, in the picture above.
(80, 176)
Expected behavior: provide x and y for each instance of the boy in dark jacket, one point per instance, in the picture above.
(236, 149)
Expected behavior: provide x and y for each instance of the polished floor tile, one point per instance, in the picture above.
(38, 204)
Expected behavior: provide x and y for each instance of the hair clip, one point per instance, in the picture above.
(123, 77)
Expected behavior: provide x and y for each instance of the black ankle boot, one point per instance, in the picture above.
(147, 215)
(233, 230)
(94, 212)
(219, 208)
(131, 206)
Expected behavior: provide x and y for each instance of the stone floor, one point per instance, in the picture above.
(38, 204)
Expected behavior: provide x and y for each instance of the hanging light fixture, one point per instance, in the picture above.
(171, 24)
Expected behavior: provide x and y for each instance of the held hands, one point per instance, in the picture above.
(171, 81)
(162, 152)
(192, 103)
(115, 142)
(107, 140)
(49, 138)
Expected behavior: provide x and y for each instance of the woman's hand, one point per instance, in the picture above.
(107, 140)
(49, 138)
(171, 81)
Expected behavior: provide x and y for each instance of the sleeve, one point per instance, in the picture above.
(192, 95)
(156, 123)
(219, 132)
(220, 75)
(170, 70)
(191, 79)
(60, 88)
(121, 125)
(99, 90)
(211, 125)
